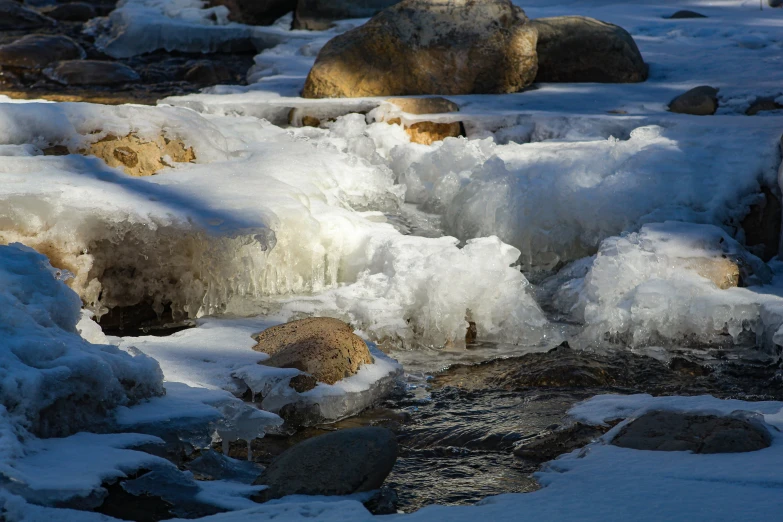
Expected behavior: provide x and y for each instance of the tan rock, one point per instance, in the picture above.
(325, 348)
(724, 272)
(140, 156)
(427, 132)
(429, 47)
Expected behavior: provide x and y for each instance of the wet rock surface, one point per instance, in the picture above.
(13, 15)
(91, 72)
(468, 48)
(581, 49)
(676, 431)
(36, 51)
(339, 463)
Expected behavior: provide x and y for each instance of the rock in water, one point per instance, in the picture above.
(325, 348)
(429, 47)
(580, 49)
(36, 51)
(338, 463)
(91, 72)
(14, 16)
(71, 12)
(699, 101)
(550, 444)
(765, 103)
(426, 132)
(686, 14)
(256, 12)
(319, 15)
(676, 431)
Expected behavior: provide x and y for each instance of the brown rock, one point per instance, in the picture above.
(427, 132)
(91, 72)
(14, 16)
(206, 72)
(429, 47)
(36, 51)
(302, 383)
(325, 348)
(581, 49)
(699, 101)
(256, 12)
(139, 156)
(319, 15)
(71, 12)
(676, 431)
(722, 271)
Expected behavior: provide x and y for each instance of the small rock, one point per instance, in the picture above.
(688, 367)
(763, 104)
(256, 12)
(699, 101)
(91, 72)
(383, 503)
(319, 15)
(139, 156)
(14, 16)
(550, 444)
(71, 12)
(36, 51)
(762, 225)
(581, 49)
(325, 348)
(429, 47)
(208, 73)
(676, 431)
(685, 14)
(339, 463)
(427, 132)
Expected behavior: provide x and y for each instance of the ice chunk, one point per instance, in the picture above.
(663, 284)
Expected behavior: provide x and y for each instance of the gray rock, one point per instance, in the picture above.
(36, 51)
(71, 12)
(338, 463)
(429, 47)
(581, 49)
(699, 101)
(676, 431)
(686, 14)
(15, 16)
(319, 15)
(91, 72)
(550, 444)
(256, 12)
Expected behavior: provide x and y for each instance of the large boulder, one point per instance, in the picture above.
(256, 12)
(319, 15)
(429, 47)
(339, 463)
(325, 348)
(36, 51)
(677, 431)
(580, 49)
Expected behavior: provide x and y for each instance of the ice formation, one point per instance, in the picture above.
(53, 382)
(664, 284)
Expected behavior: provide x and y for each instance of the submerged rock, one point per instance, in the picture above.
(550, 444)
(325, 348)
(699, 101)
(429, 47)
(71, 12)
(36, 51)
(256, 12)
(426, 132)
(14, 16)
(139, 156)
(91, 72)
(581, 49)
(677, 431)
(340, 463)
(684, 13)
(319, 15)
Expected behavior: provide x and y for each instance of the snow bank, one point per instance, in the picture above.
(53, 382)
(663, 285)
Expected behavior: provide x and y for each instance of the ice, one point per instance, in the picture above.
(53, 382)
(659, 285)
(142, 26)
